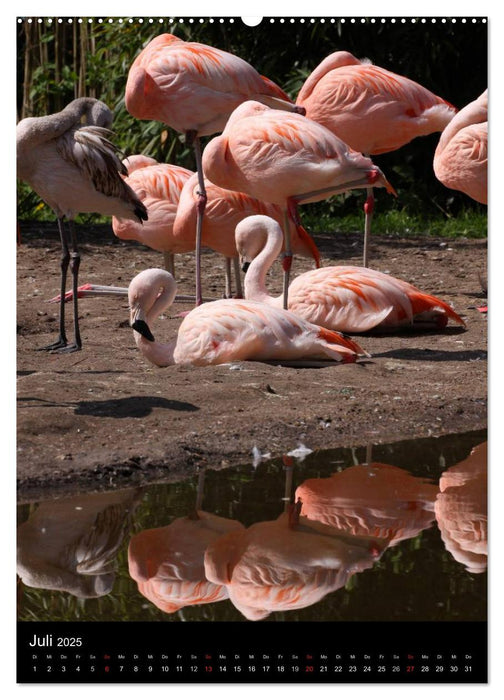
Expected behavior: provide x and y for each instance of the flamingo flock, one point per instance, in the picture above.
(271, 154)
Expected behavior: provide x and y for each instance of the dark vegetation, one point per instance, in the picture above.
(59, 61)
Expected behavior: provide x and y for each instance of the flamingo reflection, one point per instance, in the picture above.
(373, 499)
(167, 562)
(70, 545)
(461, 510)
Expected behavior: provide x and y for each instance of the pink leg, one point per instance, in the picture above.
(368, 211)
(202, 200)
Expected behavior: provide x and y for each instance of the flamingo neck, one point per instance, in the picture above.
(159, 354)
(255, 279)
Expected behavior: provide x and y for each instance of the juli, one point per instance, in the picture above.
(41, 641)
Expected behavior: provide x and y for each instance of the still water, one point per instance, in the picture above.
(387, 532)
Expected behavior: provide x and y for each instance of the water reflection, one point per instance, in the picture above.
(168, 562)
(70, 545)
(461, 510)
(372, 499)
(316, 538)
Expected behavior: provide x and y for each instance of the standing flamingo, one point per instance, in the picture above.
(374, 499)
(462, 512)
(286, 564)
(194, 88)
(285, 159)
(227, 330)
(373, 110)
(344, 298)
(74, 168)
(461, 157)
(168, 562)
(158, 186)
(224, 210)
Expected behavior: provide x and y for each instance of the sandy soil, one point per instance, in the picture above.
(104, 417)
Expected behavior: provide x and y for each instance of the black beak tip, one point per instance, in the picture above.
(245, 266)
(144, 330)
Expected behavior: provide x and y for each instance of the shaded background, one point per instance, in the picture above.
(58, 62)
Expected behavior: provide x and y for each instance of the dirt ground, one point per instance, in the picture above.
(104, 417)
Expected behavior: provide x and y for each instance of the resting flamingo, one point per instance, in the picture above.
(168, 562)
(286, 564)
(461, 157)
(227, 330)
(378, 500)
(158, 186)
(224, 210)
(285, 159)
(74, 169)
(462, 511)
(372, 109)
(344, 298)
(194, 88)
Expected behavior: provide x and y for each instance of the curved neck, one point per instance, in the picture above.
(156, 291)
(255, 279)
(474, 113)
(159, 354)
(335, 60)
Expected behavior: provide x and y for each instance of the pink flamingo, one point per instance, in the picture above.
(224, 210)
(461, 157)
(168, 562)
(286, 564)
(194, 88)
(371, 109)
(227, 330)
(285, 159)
(461, 510)
(158, 186)
(74, 168)
(344, 298)
(374, 499)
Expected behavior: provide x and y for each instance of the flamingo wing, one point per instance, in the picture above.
(192, 86)
(348, 99)
(230, 330)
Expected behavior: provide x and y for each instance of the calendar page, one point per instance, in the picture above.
(252, 349)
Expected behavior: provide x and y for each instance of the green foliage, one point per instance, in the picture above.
(99, 54)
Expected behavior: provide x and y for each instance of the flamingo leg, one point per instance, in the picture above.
(239, 287)
(169, 262)
(287, 256)
(64, 262)
(74, 267)
(228, 293)
(202, 199)
(368, 212)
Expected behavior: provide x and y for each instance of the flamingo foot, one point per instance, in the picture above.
(59, 344)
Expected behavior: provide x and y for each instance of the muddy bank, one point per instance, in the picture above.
(104, 417)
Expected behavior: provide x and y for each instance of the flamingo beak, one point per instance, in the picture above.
(139, 324)
(245, 266)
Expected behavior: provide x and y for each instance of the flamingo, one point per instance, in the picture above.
(344, 298)
(374, 499)
(227, 330)
(74, 168)
(193, 88)
(372, 109)
(285, 159)
(286, 564)
(461, 157)
(168, 562)
(158, 186)
(461, 510)
(71, 544)
(224, 210)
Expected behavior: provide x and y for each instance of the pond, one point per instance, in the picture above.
(392, 532)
